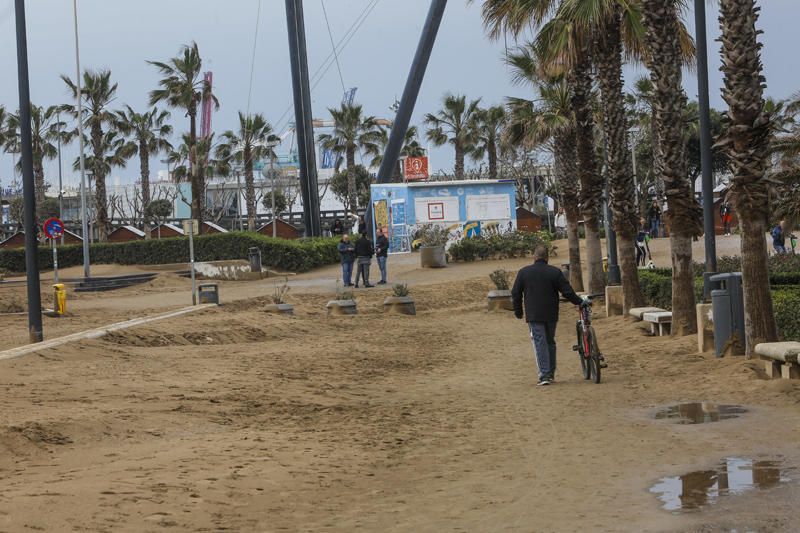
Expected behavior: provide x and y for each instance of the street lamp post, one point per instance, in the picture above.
(84, 216)
(60, 180)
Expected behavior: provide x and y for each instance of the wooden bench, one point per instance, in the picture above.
(780, 358)
(660, 319)
(638, 312)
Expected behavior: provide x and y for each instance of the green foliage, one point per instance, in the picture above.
(400, 290)
(786, 302)
(338, 185)
(158, 209)
(290, 255)
(432, 235)
(500, 279)
(502, 246)
(281, 203)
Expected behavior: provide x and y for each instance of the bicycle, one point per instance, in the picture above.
(587, 348)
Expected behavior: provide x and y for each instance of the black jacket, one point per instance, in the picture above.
(364, 247)
(347, 251)
(381, 246)
(539, 284)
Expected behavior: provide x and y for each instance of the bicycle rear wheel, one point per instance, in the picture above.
(585, 370)
(594, 357)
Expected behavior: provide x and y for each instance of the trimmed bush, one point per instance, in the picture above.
(290, 255)
(786, 302)
(506, 245)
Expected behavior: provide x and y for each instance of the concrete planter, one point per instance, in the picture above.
(432, 257)
(341, 308)
(399, 305)
(280, 309)
(500, 301)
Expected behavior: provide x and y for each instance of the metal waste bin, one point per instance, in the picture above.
(727, 303)
(208, 293)
(255, 259)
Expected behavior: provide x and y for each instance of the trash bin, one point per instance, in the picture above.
(208, 293)
(727, 303)
(59, 299)
(255, 259)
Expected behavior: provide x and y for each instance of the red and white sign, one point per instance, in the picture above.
(436, 211)
(53, 228)
(416, 168)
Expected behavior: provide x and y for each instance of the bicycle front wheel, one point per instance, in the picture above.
(584, 357)
(594, 357)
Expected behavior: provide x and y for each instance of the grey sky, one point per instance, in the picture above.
(121, 35)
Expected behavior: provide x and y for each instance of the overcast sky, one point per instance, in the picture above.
(121, 35)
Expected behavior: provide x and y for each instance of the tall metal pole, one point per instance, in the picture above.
(84, 215)
(60, 179)
(705, 135)
(272, 189)
(28, 185)
(411, 91)
(303, 120)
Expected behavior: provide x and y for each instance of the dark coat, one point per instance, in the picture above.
(364, 247)
(381, 246)
(347, 251)
(539, 285)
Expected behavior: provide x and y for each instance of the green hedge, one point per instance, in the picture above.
(784, 263)
(290, 255)
(786, 303)
(506, 245)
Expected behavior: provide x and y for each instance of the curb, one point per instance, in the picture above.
(98, 332)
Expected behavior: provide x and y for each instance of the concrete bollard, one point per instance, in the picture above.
(614, 300)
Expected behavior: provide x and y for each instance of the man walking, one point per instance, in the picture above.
(538, 285)
(381, 253)
(654, 214)
(364, 253)
(347, 252)
(779, 238)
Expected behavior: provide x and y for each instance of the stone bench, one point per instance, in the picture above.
(638, 312)
(780, 358)
(662, 319)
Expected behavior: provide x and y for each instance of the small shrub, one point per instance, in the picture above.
(280, 291)
(786, 303)
(432, 235)
(499, 246)
(342, 292)
(400, 290)
(500, 279)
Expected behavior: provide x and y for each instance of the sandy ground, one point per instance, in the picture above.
(233, 419)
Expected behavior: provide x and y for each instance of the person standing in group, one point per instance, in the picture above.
(654, 214)
(561, 224)
(726, 216)
(382, 253)
(364, 253)
(337, 228)
(537, 286)
(779, 238)
(347, 253)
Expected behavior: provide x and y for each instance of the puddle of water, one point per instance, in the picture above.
(734, 475)
(700, 412)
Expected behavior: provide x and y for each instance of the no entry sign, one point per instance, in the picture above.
(53, 228)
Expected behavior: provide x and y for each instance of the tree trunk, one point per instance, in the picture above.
(249, 190)
(746, 141)
(352, 190)
(492, 150)
(144, 166)
(38, 180)
(197, 180)
(459, 170)
(566, 172)
(100, 196)
(608, 59)
(591, 181)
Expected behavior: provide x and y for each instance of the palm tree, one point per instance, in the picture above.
(183, 87)
(411, 148)
(245, 146)
(454, 124)
(746, 140)
(488, 126)
(662, 37)
(46, 129)
(549, 121)
(149, 133)
(97, 93)
(179, 160)
(352, 133)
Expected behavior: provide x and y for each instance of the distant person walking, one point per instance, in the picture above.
(337, 228)
(654, 214)
(642, 246)
(779, 238)
(561, 224)
(364, 253)
(347, 253)
(382, 253)
(536, 288)
(726, 216)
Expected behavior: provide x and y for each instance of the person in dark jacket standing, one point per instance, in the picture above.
(364, 253)
(381, 253)
(654, 214)
(347, 252)
(538, 286)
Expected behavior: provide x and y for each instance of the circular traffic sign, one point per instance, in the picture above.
(53, 228)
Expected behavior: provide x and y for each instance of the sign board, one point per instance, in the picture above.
(436, 209)
(53, 228)
(416, 168)
(191, 226)
(488, 207)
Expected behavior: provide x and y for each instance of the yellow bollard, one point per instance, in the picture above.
(605, 264)
(60, 299)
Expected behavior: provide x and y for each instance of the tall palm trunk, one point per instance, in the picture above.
(38, 178)
(491, 148)
(623, 199)
(591, 181)
(662, 37)
(250, 190)
(459, 170)
(566, 170)
(144, 167)
(746, 141)
(196, 176)
(100, 195)
(352, 191)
